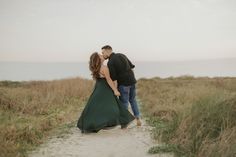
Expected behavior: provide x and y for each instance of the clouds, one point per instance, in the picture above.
(70, 30)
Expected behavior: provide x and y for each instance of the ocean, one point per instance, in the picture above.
(22, 71)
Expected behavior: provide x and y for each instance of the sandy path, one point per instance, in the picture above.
(134, 141)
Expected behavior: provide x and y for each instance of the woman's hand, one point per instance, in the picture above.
(117, 93)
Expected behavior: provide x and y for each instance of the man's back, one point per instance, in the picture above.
(121, 69)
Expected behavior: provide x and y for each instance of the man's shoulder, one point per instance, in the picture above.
(120, 54)
(116, 58)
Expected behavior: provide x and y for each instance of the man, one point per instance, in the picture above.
(121, 72)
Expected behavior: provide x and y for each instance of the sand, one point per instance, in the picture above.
(134, 141)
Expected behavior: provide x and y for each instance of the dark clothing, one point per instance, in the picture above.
(128, 95)
(120, 68)
(103, 109)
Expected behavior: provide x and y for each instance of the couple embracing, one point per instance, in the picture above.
(114, 90)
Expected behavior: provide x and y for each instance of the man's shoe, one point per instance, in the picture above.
(139, 123)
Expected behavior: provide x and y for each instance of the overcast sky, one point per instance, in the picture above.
(145, 30)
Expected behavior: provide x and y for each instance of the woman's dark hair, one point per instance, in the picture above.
(107, 47)
(95, 65)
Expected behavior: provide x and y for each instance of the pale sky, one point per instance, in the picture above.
(145, 30)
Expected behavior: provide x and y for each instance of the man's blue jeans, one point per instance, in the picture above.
(128, 95)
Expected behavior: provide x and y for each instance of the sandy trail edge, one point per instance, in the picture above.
(134, 141)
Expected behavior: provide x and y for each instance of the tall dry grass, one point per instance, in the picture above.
(194, 116)
(29, 111)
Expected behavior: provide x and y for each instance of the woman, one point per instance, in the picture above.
(103, 108)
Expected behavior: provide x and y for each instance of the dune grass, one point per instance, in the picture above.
(30, 111)
(193, 117)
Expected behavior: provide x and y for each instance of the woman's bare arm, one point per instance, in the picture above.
(116, 84)
(105, 72)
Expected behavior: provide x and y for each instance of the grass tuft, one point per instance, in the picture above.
(30, 111)
(196, 114)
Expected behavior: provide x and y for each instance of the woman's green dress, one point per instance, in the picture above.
(103, 109)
